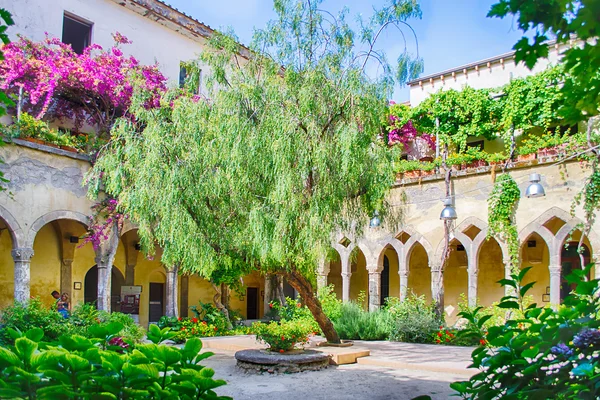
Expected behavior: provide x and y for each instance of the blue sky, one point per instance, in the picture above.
(451, 32)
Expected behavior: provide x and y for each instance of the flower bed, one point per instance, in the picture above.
(283, 336)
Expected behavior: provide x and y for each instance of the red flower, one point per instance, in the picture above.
(437, 340)
(439, 334)
(179, 319)
(281, 351)
(270, 305)
(298, 305)
(215, 328)
(282, 338)
(483, 342)
(195, 320)
(447, 339)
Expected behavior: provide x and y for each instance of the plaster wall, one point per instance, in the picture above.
(7, 271)
(495, 73)
(419, 274)
(152, 42)
(359, 281)
(491, 270)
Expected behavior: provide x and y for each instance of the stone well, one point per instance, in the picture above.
(255, 360)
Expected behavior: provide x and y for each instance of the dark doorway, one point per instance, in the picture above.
(156, 303)
(252, 303)
(90, 288)
(288, 290)
(385, 281)
(570, 261)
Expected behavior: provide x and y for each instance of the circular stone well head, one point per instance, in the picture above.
(289, 362)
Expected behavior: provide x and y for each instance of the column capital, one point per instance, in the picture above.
(555, 270)
(22, 254)
(435, 267)
(67, 261)
(403, 272)
(346, 274)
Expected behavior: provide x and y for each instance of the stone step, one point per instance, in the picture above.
(344, 355)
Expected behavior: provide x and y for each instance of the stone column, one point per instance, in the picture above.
(184, 295)
(403, 284)
(22, 258)
(129, 275)
(105, 256)
(346, 286)
(268, 295)
(555, 272)
(473, 272)
(437, 286)
(374, 289)
(66, 277)
(171, 309)
(508, 290)
(321, 281)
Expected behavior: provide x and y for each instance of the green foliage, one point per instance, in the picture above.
(502, 205)
(33, 314)
(185, 328)
(415, 165)
(261, 174)
(413, 320)
(85, 320)
(543, 354)
(332, 306)
(5, 21)
(284, 335)
(211, 315)
(356, 323)
(79, 368)
(460, 114)
(29, 127)
(562, 19)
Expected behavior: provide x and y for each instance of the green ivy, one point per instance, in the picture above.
(502, 204)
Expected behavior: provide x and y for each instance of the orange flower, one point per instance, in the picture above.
(483, 342)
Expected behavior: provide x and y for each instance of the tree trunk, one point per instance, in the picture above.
(305, 290)
(279, 294)
(220, 306)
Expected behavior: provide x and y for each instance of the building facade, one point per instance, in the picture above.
(45, 211)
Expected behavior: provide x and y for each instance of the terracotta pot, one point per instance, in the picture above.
(526, 157)
(69, 148)
(33, 140)
(477, 164)
(411, 174)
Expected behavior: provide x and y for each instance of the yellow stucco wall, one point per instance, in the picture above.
(7, 270)
(335, 277)
(455, 283)
(45, 265)
(359, 281)
(394, 277)
(419, 274)
(491, 270)
(538, 259)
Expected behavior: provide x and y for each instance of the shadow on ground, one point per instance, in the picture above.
(344, 382)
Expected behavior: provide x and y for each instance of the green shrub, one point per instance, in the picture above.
(34, 314)
(356, 323)
(210, 314)
(413, 320)
(131, 332)
(332, 306)
(84, 368)
(284, 335)
(544, 354)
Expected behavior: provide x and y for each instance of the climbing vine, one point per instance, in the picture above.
(502, 204)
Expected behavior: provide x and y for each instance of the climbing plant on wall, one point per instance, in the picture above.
(502, 205)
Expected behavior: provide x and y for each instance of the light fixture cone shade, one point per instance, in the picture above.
(448, 213)
(535, 190)
(375, 222)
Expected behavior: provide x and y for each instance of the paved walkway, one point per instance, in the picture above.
(421, 357)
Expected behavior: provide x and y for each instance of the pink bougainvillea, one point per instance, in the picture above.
(105, 218)
(93, 88)
(401, 129)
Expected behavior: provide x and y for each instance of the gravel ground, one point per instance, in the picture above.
(344, 382)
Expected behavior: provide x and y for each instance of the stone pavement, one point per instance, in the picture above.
(417, 357)
(422, 357)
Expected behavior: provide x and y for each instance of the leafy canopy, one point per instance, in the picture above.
(563, 20)
(278, 158)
